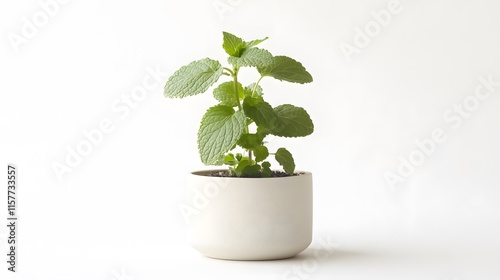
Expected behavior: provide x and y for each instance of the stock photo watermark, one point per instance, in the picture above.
(200, 199)
(12, 222)
(121, 275)
(221, 7)
(371, 29)
(454, 117)
(321, 252)
(120, 109)
(32, 25)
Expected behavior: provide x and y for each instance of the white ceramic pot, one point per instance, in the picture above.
(250, 218)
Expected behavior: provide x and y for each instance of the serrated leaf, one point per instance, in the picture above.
(250, 140)
(286, 69)
(220, 129)
(253, 57)
(225, 94)
(293, 122)
(261, 112)
(254, 43)
(261, 153)
(249, 90)
(233, 45)
(263, 131)
(285, 159)
(194, 78)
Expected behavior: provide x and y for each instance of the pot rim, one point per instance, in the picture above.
(203, 173)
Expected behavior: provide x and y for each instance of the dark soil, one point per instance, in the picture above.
(225, 173)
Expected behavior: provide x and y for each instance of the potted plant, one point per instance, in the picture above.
(246, 211)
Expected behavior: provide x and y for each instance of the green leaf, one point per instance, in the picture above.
(238, 156)
(263, 131)
(251, 171)
(250, 141)
(229, 159)
(266, 169)
(261, 153)
(286, 69)
(253, 57)
(285, 159)
(261, 112)
(225, 94)
(293, 122)
(193, 78)
(249, 90)
(254, 43)
(233, 45)
(241, 166)
(220, 129)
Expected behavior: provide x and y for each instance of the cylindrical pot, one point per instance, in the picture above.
(249, 218)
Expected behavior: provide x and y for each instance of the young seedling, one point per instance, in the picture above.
(242, 118)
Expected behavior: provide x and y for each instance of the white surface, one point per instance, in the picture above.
(115, 215)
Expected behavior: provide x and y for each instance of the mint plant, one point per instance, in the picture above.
(242, 118)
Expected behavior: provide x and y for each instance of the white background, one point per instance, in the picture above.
(116, 215)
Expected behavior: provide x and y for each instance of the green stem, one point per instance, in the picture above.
(240, 108)
(235, 79)
(256, 84)
(229, 70)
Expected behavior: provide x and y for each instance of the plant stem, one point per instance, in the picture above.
(256, 84)
(229, 70)
(240, 108)
(235, 79)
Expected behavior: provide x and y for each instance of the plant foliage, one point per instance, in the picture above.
(242, 118)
